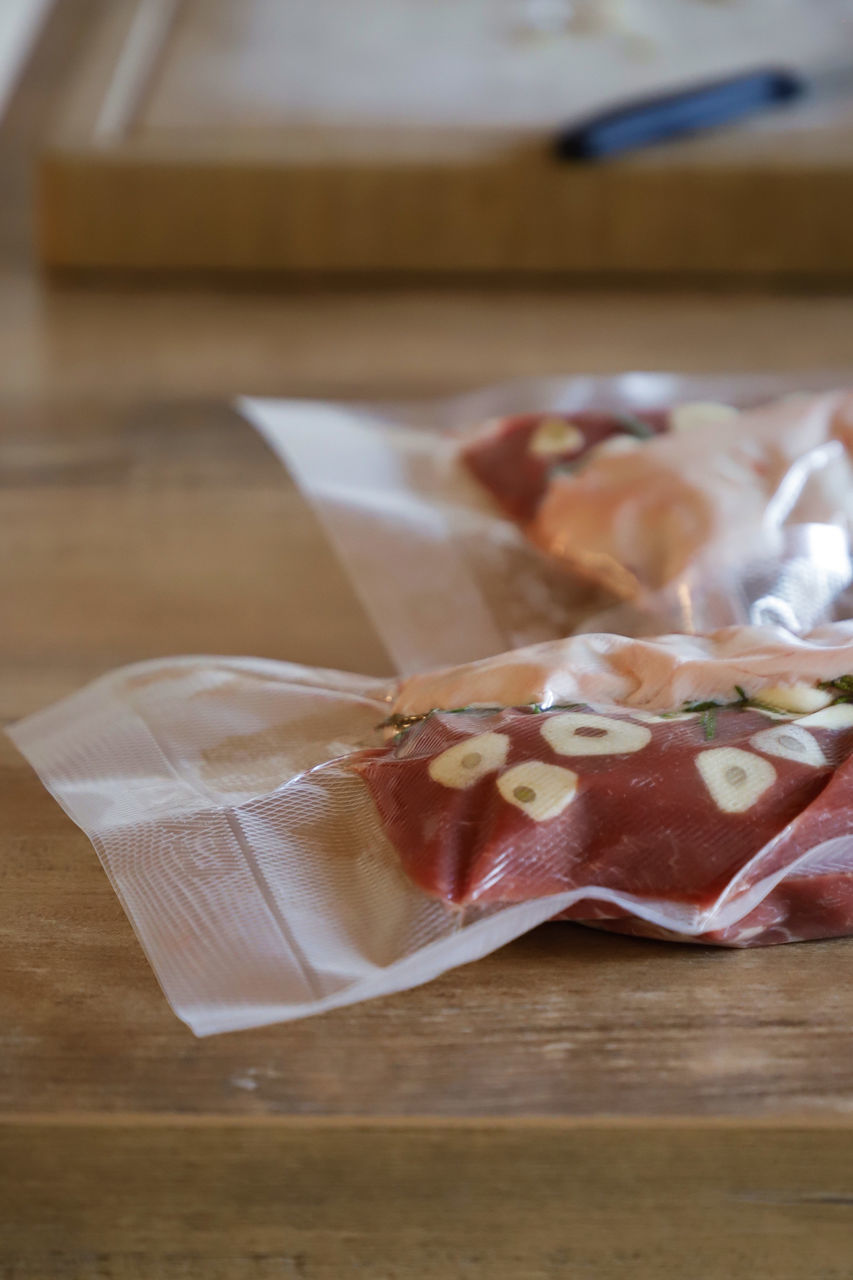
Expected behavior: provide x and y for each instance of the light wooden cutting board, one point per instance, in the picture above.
(396, 136)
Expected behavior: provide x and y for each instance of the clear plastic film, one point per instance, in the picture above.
(248, 855)
(722, 517)
(447, 575)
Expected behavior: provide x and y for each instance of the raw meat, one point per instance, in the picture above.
(713, 493)
(514, 458)
(740, 837)
(701, 501)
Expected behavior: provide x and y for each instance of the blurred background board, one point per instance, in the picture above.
(398, 136)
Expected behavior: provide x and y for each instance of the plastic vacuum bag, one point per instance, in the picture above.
(701, 516)
(286, 840)
(247, 853)
(465, 579)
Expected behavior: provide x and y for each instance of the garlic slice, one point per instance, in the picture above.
(577, 733)
(838, 716)
(735, 778)
(540, 790)
(555, 436)
(802, 699)
(462, 765)
(700, 413)
(790, 741)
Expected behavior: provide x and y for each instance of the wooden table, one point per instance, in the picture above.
(576, 1105)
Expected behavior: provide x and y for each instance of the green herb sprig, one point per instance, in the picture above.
(841, 688)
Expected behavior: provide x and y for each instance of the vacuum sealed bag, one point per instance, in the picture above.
(287, 840)
(700, 515)
(639, 505)
(245, 848)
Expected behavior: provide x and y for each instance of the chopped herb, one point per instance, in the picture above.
(841, 687)
(635, 426)
(701, 706)
(709, 722)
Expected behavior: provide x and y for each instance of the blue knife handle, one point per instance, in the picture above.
(672, 115)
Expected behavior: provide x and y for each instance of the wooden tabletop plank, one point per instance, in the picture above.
(113, 344)
(271, 1202)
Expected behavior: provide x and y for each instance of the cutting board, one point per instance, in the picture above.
(398, 136)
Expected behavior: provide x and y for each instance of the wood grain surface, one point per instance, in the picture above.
(575, 1105)
(410, 1202)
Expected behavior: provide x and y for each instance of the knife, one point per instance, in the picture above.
(662, 117)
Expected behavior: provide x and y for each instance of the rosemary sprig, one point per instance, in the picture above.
(841, 688)
(710, 708)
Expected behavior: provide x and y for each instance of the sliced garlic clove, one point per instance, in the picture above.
(838, 716)
(555, 436)
(735, 778)
(462, 765)
(701, 413)
(540, 790)
(791, 742)
(801, 699)
(577, 733)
